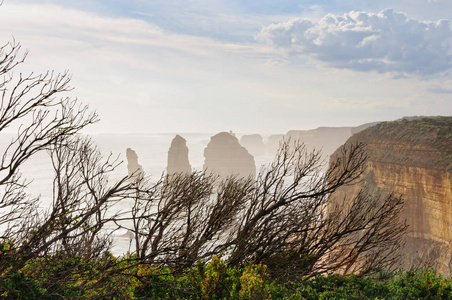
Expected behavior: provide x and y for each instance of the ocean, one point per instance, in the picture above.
(152, 151)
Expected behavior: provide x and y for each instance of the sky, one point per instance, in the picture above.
(248, 66)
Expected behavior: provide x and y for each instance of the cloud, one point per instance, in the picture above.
(439, 90)
(274, 62)
(386, 42)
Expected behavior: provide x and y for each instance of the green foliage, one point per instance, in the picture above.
(75, 277)
(21, 286)
(213, 280)
(416, 284)
(290, 265)
(421, 284)
(337, 287)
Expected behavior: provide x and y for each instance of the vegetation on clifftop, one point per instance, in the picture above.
(215, 280)
(414, 141)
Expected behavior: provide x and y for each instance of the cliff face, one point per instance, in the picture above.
(327, 139)
(414, 158)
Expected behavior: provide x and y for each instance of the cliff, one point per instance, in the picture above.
(327, 139)
(413, 157)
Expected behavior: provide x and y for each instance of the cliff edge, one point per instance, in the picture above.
(413, 157)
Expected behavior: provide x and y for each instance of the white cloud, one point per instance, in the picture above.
(440, 90)
(145, 78)
(384, 42)
(274, 62)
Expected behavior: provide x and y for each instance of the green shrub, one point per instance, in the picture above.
(20, 286)
(74, 277)
(420, 284)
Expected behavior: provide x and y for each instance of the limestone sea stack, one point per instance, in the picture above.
(273, 143)
(178, 157)
(253, 143)
(135, 171)
(225, 156)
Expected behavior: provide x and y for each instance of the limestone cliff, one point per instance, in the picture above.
(414, 158)
(327, 139)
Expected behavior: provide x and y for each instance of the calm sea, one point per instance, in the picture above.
(152, 151)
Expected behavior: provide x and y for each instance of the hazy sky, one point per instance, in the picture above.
(243, 65)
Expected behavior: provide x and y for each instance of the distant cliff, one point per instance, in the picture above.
(413, 157)
(327, 139)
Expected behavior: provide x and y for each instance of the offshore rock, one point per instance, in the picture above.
(135, 171)
(273, 143)
(412, 157)
(254, 144)
(225, 156)
(178, 157)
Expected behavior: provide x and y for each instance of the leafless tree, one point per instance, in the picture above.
(82, 195)
(286, 218)
(72, 227)
(293, 224)
(186, 217)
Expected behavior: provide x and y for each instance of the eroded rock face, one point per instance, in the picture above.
(225, 156)
(135, 171)
(178, 157)
(253, 143)
(414, 158)
(326, 139)
(273, 143)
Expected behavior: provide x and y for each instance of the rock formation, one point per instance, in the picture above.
(327, 139)
(273, 143)
(178, 157)
(414, 158)
(253, 143)
(224, 156)
(135, 171)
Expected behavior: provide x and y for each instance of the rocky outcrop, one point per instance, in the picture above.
(135, 171)
(273, 143)
(326, 139)
(178, 157)
(225, 156)
(254, 144)
(414, 158)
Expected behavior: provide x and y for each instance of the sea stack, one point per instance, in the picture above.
(178, 157)
(253, 143)
(273, 143)
(225, 156)
(135, 171)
